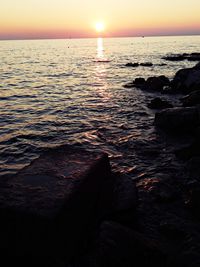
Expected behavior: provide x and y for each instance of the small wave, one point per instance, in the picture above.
(58, 75)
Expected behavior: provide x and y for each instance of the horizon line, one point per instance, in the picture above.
(95, 37)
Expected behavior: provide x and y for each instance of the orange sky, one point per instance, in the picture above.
(21, 19)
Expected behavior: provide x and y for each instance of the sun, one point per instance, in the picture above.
(100, 26)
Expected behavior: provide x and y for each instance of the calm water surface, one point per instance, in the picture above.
(71, 91)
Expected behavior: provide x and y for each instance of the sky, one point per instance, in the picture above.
(30, 19)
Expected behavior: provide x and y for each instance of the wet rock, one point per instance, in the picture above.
(119, 246)
(139, 81)
(158, 103)
(146, 64)
(152, 83)
(192, 99)
(130, 64)
(187, 80)
(184, 56)
(119, 199)
(157, 83)
(178, 119)
(48, 208)
(174, 58)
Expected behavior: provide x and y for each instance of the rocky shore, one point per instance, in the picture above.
(67, 208)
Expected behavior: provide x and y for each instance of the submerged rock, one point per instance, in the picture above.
(130, 64)
(178, 119)
(48, 208)
(136, 64)
(146, 64)
(158, 103)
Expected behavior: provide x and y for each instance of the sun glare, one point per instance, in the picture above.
(99, 26)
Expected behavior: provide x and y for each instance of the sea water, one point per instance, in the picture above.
(55, 92)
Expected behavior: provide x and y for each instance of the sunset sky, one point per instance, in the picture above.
(21, 19)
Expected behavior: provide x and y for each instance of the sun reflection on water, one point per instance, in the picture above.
(101, 72)
(100, 50)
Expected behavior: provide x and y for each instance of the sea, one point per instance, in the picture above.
(70, 92)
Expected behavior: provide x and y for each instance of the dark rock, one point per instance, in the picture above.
(190, 150)
(130, 64)
(193, 200)
(158, 103)
(139, 81)
(178, 119)
(157, 83)
(193, 168)
(146, 64)
(172, 230)
(175, 58)
(48, 208)
(192, 99)
(119, 246)
(187, 80)
(184, 56)
(119, 199)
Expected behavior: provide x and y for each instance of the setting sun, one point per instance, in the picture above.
(100, 26)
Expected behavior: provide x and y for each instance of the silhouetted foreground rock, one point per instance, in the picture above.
(119, 246)
(178, 119)
(49, 208)
(158, 103)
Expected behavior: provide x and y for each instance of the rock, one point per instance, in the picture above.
(139, 81)
(49, 208)
(119, 199)
(146, 64)
(187, 80)
(157, 83)
(184, 56)
(172, 230)
(174, 58)
(189, 151)
(193, 200)
(193, 167)
(158, 103)
(130, 64)
(178, 119)
(192, 99)
(119, 246)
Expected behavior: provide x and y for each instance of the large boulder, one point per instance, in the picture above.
(49, 208)
(178, 119)
(187, 80)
